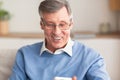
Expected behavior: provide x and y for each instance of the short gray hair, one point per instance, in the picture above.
(51, 6)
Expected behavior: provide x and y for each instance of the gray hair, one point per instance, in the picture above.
(51, 6)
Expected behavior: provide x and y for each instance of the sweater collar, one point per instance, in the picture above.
(67, 48)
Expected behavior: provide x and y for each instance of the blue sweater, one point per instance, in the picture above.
(85, 64)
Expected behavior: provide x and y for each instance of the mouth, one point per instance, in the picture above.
(56, 38)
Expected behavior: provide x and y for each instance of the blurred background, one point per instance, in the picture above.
(88, 15)
(96, 24)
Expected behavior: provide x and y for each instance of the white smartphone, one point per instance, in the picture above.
(62, 78)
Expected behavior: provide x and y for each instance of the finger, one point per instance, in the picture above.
(74, 78)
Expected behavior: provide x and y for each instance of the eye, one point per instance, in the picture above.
(50, 25)
(62, 25)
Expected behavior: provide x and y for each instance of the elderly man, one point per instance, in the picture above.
(57, 56)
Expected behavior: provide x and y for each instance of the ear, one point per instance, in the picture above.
(41, 25)
(71, 25)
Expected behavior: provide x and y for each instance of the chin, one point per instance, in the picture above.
(59, 45)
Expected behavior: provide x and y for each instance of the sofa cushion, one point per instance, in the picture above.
(7, 58)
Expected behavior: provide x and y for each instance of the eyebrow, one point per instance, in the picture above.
(54, 22)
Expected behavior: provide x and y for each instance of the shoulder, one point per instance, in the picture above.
(86, 55)
(85, 51)
(33, 48)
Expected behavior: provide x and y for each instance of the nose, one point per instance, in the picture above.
(57, 30)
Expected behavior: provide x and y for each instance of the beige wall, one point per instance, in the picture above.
(88, 14)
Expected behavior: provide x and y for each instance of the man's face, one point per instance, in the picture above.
(56, 36)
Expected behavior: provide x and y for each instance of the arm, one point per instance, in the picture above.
(18, 71)
(97, 70)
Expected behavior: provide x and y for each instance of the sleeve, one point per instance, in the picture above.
(97, 70)
(18, 71)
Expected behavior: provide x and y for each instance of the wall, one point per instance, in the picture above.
(88, 14)
(119, 21)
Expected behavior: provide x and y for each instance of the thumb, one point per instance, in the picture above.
(74, 78)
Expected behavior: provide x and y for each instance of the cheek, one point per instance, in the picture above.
(66, 34)
(47, 33)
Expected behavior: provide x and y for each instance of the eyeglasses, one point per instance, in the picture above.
(62, 26)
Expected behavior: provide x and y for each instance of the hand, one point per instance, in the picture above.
(74, 78)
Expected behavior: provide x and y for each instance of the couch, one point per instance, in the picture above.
(7, 58)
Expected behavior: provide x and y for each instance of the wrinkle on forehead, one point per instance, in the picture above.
(58, 16)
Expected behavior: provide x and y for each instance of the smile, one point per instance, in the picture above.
(56, 38)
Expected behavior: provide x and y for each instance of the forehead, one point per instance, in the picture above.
(61, 14)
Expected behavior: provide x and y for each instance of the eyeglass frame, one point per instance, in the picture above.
(53, 25)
